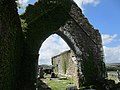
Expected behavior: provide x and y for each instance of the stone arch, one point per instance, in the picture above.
(67, 21)
(67, 38)
(19, 57)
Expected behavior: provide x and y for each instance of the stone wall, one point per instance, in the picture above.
(11, 46)
(65, 18)
(66, 64)
(18, 54)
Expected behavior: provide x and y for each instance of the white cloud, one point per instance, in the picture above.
(81, 3)
(112, 55)
(106, 38)
(52, 46)
(23, 2)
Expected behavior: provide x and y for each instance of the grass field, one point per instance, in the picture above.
(58, 84)
(62, 84)
(112, 75)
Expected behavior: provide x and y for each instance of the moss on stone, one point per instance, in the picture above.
(10, 45)
(18, 53)
(90, 69)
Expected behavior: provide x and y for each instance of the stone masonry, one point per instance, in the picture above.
(19, 47)
(66, 64)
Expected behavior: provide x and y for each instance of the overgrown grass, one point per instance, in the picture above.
(56, 84)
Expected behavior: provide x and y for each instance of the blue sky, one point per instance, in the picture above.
(103, 15)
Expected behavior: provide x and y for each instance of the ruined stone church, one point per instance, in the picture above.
(66, 64)
(19, 45)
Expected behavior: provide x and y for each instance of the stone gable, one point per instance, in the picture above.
(66, 64)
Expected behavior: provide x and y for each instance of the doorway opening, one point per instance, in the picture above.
(52, 46)
(57, 65)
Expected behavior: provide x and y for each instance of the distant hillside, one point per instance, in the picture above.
(113, 66)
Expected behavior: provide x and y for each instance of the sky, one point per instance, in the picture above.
(103, 15)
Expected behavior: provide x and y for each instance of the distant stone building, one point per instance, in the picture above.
(66, 64)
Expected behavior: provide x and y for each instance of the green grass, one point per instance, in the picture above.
(112, 77)
(56, 84)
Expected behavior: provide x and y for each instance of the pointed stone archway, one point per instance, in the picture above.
(54, 17)
(19, 54)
